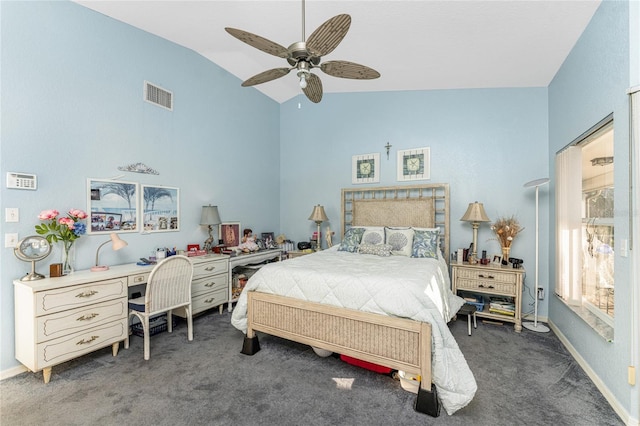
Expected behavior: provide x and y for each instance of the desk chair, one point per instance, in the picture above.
(168, 288)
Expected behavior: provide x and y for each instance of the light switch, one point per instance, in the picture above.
(12, 215)
(10, 240)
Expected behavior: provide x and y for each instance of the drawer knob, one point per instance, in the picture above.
(210, 268)
(87, 293)
(85, 342)
(210, 300)
(87, 317)
(490, 277)
(211, 284)
(485, 286)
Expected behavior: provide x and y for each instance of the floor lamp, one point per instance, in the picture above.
(534, 326)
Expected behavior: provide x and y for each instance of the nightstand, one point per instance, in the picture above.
(491, 280)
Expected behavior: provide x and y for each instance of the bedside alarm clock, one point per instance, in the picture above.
(304, 245)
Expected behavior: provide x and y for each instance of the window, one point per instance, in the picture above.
(584, 222)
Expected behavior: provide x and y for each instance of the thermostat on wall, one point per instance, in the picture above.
(21, 181)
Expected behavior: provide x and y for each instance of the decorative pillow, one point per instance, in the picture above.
(400, 239)
(425, 243)
(383, 250)
(373, 235)
(351, 240)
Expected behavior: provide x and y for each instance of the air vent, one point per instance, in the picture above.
(158, 96)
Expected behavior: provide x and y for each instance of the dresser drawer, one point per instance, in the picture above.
(209, 284)
(76, 320)
(68, 347)
(61, 299)
(489, 275)
(213, 267)
(209, 300)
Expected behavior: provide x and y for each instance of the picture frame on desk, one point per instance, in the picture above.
(229, 233)
(497, 259)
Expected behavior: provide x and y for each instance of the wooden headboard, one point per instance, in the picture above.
(424, 206)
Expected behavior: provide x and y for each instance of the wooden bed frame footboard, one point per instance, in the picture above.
(397, 343)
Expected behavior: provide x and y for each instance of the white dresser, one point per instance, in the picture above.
(58, 319)
(209, 287)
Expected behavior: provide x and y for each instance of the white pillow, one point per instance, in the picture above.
(400, 239)
(373, 235)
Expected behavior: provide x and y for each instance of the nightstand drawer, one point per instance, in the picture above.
(488, 275)
(486, 286)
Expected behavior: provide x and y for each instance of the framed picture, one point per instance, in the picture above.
(497, 259)
(229, 233)
(160, 208)
(414, 164)
(112, 206)
(269, 240)
(365, 168)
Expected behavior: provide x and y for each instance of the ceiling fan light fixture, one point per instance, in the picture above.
(304, 75)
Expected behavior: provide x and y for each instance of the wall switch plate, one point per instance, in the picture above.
(11, 215)
(10, 240)
(541, 294)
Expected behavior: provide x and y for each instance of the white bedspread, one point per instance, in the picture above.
(395, 286)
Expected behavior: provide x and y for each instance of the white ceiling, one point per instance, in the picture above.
(415, 45)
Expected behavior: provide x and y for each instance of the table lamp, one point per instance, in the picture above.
(318, 216)
(209, 217)
(117, 244)
(475, 214)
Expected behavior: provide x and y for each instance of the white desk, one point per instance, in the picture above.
(249, 259)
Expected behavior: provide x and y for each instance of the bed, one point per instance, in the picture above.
(357, 304)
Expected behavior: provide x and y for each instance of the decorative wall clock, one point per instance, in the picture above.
(365, 168)
(414, 164)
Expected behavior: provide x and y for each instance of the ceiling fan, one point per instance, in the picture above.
(303, 56)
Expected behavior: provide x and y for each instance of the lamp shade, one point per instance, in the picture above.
(210, 215)
(117, 243)
(475, 213)
(318, 215)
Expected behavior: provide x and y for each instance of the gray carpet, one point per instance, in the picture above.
(523, 379)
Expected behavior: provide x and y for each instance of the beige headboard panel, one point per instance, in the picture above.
(424, 206)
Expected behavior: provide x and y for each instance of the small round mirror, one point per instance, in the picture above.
(32, 249)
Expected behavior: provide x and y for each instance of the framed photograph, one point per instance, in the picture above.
(414, 164)
(112, 206)
(160, 208)
(269, 240)
(365, 168)
(229, 233)
(497, 259)
(193, 247)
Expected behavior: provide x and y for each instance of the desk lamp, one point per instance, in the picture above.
(117, 244)
(209, 217)
(475, 214)
(318, 216)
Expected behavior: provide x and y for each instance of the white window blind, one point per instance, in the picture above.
(569, 225)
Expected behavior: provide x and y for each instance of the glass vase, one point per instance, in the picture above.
(68, 257)
(505, 254)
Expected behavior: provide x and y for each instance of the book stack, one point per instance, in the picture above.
(502, 305)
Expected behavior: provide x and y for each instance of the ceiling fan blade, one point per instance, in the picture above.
(265, 76)
(328, 35)
(258, 42)
(313, 89)
(346, 69)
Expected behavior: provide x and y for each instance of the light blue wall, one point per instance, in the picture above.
(72, 109)
(591, 84)
(485, 143)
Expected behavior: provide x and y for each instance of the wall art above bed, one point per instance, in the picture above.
(414, 164)
(365, 168)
